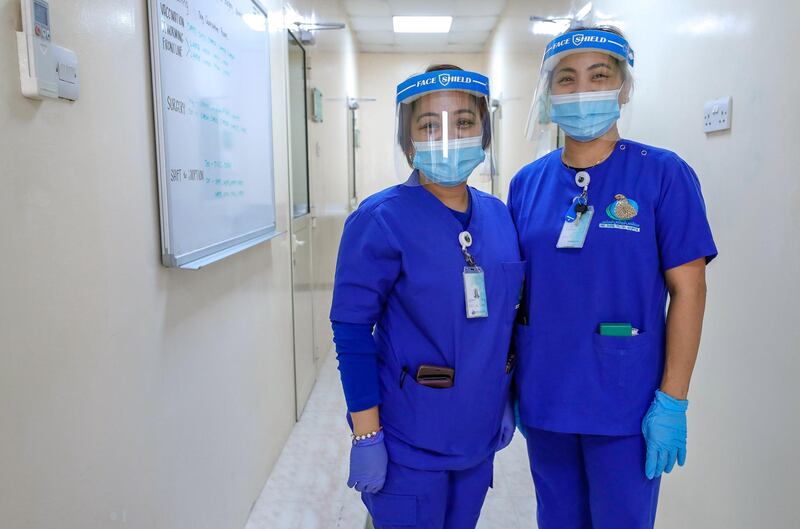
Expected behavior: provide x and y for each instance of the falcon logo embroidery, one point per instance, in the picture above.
(620, 212)
(622, 208)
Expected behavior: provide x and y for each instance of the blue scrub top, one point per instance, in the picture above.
(570, 378)
(400, 266)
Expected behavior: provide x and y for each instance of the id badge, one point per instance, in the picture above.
(475, 292)
(573, 234)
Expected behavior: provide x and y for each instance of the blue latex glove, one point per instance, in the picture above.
(368, 461)
(664, 429)
(507, 426)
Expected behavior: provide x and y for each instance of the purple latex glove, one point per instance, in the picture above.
(368, 461)
(507, 426)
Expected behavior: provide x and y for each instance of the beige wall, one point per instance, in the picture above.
(514, 56)
(379, 74)
(743, 426)
(130, 395)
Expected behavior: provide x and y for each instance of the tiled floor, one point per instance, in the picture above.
(511, 503)
(307, 490)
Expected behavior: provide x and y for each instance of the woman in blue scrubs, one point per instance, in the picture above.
(609, 227)
(427, 286)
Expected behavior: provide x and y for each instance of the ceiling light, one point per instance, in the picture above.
(422, 24)
(708, 25)
(551, 26)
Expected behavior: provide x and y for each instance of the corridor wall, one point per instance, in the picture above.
(132, 395)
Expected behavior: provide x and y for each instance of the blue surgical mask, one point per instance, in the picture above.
(585, 116)
(448, 166)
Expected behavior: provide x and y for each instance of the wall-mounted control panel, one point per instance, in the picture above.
(45, 69)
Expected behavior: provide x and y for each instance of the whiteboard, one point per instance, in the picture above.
(212, 102)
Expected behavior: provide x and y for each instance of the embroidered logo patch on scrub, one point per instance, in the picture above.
(621, 211)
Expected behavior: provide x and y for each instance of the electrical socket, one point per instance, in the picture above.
(717, 115)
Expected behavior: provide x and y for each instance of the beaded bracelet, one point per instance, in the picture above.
(370, 435)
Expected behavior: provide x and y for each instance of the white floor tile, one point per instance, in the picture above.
(498, 513)
(307, 487)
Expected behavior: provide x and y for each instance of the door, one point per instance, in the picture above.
(305, 369)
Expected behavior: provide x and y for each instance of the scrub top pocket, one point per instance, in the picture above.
(461, 421)
(625, 361)
(453, 420)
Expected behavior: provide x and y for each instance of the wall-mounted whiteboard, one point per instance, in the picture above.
(212, 98)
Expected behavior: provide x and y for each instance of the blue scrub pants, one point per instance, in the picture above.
(448, 499)
(591, 481)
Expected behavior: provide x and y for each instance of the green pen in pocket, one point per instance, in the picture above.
(618, 329)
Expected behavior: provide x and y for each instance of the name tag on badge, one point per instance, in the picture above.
(573, 234)
(475, 292)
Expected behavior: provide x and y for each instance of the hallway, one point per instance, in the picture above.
(175, 181)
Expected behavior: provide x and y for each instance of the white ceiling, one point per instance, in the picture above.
(473, 22)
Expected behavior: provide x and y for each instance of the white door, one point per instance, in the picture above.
(302, 277)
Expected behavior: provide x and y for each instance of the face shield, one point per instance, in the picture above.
(584, 89)
(443, 128)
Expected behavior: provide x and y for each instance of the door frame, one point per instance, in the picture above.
(306, 219)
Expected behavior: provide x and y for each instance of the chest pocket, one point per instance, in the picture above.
(513, 278)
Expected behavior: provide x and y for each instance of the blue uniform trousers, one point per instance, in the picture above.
(425, 499)
(591, 481)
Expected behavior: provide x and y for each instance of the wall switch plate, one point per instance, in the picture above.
(717, 115)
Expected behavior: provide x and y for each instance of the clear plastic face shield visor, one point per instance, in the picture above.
(443, 131)
(585, 86)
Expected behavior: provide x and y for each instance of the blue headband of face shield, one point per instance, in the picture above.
(423, 83)
(587, 40)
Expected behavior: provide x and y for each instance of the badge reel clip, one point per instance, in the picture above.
(578, 217)
(474, 281)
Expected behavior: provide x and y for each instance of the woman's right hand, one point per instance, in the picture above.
(368, 462)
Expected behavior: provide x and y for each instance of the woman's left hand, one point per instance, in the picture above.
(664, 429)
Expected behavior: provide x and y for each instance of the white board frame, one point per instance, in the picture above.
(202, 256)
